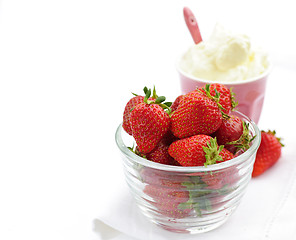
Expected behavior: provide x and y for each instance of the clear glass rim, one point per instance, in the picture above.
(235, 161)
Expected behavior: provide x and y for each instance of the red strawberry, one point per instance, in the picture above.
(176, 103)
(218, 179)
(225, 95)
(224, 181)
(268, 153)
(230, 130)
(221, 179)
(160, 152)
(130, 106)
(196, 114)
(197, 150)
(234, 134)
(154, 176)
(127, 112)
(168, 199)
(160, 155)
(169, 138)
(226, 155)
(149, 123)
(213, 180)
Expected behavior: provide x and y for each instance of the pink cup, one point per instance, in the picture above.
(249, 93)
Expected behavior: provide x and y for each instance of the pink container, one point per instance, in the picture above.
(249, 93)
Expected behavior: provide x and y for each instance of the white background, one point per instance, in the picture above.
(67, 69)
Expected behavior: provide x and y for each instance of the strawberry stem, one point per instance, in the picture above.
(212, 152)
(154, 95)
(147, 96)
(215, 98)
(157, 100)
(234, 103)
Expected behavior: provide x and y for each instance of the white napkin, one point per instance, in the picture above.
(266, 212)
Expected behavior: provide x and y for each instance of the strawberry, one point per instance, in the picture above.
(160, 153)
(218, 179)
(226, 96)
(167, 199)
(154, 176)
(127, 112)
(234, 134)
(197, 150)
(226, 155)
(268, 152)
(213, 180)
(130, 106)
(176, 103)
(196, 114)
(171, 193)
(230, 130)
(167, 192)
(149, 123)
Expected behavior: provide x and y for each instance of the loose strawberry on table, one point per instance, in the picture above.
(268, 153)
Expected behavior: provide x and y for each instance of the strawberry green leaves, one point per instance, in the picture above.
(155, 99)
(268, 154)
(212, 152)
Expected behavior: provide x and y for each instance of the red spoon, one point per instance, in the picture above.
(192, 25)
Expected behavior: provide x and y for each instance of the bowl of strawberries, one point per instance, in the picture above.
(188, 162)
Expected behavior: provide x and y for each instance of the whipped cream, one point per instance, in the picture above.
(225, 57)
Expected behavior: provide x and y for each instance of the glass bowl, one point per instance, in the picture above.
(187, 199)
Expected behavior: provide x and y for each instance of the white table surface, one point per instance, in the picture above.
(67, 68)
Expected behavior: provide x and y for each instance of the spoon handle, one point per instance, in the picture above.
(192, 25)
